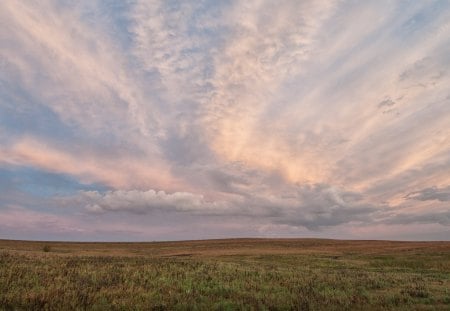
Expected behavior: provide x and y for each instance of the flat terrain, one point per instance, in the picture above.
(232, 274)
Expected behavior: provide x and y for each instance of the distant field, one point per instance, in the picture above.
(234, 274)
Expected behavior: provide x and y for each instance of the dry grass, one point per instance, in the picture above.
(224, 247)
(233, 274)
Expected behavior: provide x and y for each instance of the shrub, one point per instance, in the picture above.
(46, 248)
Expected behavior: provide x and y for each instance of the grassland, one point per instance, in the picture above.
(236, 274)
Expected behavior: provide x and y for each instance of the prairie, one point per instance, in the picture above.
(229, 274)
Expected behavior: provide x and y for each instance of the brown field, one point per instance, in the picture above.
(229, 274)
(226, 247)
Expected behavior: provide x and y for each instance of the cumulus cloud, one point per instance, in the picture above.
(146, 201)
(322, 205)
(312, 206)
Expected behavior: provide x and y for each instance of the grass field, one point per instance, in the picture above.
(235, 274)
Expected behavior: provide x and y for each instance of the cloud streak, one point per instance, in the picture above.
(433, 193)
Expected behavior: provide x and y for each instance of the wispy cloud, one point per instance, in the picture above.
(115, 169)
(433, 193)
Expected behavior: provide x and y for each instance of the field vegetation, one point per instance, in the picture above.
(234, 274)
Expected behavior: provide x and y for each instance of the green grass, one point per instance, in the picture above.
(225, 275)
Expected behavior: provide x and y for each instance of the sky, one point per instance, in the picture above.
(152, 120)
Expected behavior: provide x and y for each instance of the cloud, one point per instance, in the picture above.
(75, 69)
(263, 52)
(320, 114)
(432, 193)
(386, 103)
(116, 169)
(442, 218)
(17, 222)
(324, 206)
(17, 218)
(146, 201)
(312, 206)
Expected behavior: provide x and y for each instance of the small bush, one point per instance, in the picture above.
(417, 291)
(46, 248)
